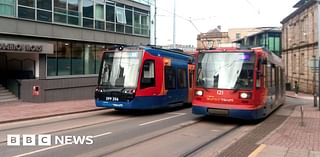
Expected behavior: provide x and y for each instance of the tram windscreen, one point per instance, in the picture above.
(226, 70)
(120, 69)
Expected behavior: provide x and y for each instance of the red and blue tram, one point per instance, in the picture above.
(144, 78)
(238, 83)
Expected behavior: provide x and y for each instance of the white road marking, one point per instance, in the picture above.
(57, 146)
(215, 130)
(40, 150)
(155, 121)
(257, 150)
(107, 133)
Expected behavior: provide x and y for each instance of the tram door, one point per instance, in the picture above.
(190, 79)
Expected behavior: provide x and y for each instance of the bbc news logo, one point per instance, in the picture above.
(46, 140)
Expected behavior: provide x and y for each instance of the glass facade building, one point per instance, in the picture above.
(92, 14)
(71, 36)
(269, 38)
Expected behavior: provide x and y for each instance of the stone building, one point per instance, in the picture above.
(212, 38)
(215, 37)
(300, 44)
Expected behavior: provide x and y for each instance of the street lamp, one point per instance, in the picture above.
(318, 54)
(174, 24)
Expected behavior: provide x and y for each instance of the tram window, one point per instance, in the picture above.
(182, 78)
(170, 78)
(148, 74)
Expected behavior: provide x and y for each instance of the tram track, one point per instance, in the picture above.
(204, 145)
(192, 151)
(150, 137)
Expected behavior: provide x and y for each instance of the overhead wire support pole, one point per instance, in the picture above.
(318, 54)
(155, 22)
(174, 24)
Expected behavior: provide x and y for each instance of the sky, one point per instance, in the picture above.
(208, 14)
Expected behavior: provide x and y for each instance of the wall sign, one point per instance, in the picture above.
(26, 47)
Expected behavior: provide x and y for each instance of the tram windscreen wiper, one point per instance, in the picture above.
(237, 87)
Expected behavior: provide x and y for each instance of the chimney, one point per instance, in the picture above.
(219, 27)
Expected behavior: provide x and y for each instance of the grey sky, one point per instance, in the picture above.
(207, 14)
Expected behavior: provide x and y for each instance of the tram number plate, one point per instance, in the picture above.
(112, 99)
(220, 112)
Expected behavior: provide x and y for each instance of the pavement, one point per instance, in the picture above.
(18, 110)
(296, 137)
(291, 139)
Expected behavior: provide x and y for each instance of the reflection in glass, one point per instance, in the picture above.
(89, 59)
(77, 59)
(87, 8)
(44, 16)
(121, 68)
(7, 8)
(99, 52)
(226, 70)
(29, 3)
(26, 13)
(64, 58)
(44, 4)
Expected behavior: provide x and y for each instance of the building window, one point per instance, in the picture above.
(129, 22)
(238, 36)
(302, 64)
(44, 4)
(73, 12)
(294, 63)
(44, 16)
(74, 59)
(52, 65)
(121, 16)
(141, 22)
(60, 11)
(87, 14)
(77, 59)
(29, 3)
(44, 10)
(64, 58)
(26, 13)
(87, 23)
(99, 16)
(26, 9)
(110, 16)
(67, 11)
(7, 7)
(89, 59)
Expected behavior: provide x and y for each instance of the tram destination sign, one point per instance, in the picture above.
(26, 47)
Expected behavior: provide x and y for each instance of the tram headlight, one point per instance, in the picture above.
(245, 95)
(199, 93)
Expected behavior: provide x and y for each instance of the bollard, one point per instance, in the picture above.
(301, 110)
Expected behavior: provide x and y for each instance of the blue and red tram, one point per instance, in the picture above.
(144, 78)
(238, 83)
